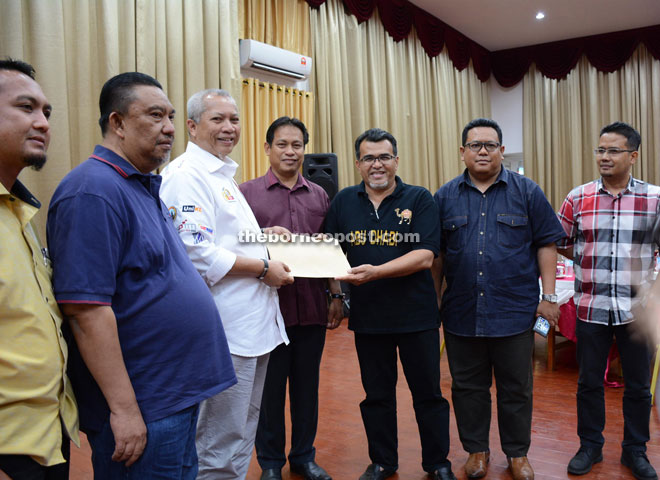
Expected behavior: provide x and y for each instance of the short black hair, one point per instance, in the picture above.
(481, 122)
(117, 94)
(11, 64)
(633, 138)
(17, 65)
(282, 121)
(374, 135)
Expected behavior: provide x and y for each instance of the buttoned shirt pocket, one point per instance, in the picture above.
(453, 232)
(512, 230)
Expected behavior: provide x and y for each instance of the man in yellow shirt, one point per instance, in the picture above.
(38, 413)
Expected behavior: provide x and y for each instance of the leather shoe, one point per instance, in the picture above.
(310, 471)
(377, 472)
(584, 459)
(477, 464)
(520, 468)
(271, 474)
(442, 473)
(639, 464)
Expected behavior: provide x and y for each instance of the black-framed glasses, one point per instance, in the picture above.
(610, 151)
(477, 146)
(384, 158)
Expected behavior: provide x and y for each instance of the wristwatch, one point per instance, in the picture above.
(337, 296)
(549, 297)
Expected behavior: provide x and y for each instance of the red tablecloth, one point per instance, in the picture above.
(567, 320)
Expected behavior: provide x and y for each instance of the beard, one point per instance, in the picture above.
(35, 161)
(379, 186)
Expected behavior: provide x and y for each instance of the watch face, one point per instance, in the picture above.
(550, 298)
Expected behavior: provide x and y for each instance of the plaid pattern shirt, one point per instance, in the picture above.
(613, 246)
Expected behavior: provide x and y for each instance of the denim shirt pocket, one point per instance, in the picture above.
(453, 232)
(512, 230)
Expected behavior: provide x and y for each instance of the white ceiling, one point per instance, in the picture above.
(500, 24)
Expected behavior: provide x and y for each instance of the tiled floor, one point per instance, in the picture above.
(341, 445)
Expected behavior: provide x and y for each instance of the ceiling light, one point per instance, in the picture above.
(540, 16)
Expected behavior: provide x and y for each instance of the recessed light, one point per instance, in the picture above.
(540, 16)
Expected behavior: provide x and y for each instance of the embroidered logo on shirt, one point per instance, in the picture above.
(198, 238)
(206, 229)
(405, 216)
(191, 208)
(173, 212)
(227, 195)
(188, 227)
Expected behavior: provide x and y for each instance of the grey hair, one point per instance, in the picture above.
(196, 105)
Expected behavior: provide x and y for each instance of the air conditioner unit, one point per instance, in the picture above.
(274, 60)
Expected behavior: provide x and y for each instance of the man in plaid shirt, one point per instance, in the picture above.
(608, 223)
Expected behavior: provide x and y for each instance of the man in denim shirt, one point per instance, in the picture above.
(498, 236)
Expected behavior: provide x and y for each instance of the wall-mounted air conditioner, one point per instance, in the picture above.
(274, 60)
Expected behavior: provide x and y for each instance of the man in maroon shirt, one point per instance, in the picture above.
(283, 197)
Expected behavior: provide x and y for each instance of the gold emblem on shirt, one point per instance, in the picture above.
(405, 216)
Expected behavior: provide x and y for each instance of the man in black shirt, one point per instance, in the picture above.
(390, 233)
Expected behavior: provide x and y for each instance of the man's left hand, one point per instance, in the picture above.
(360, 274)
(335, 313)
(549, 311)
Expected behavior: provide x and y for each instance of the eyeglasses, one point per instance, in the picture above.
(384, 158)
(610, 151)
(477, 146)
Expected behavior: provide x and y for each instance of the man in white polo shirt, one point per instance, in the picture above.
(210, 212)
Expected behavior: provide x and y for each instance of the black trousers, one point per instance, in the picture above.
(420, 358)
(299, 362)
(24, 467)
(472, 362)
(593, 345)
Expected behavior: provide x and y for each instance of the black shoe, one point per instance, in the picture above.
(639, 464)
(271, 474)
(377, 472)
(584, 459)
(442, 473)
(310, 470)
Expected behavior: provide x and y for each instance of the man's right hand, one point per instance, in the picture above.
(278, 274)
(130, 434)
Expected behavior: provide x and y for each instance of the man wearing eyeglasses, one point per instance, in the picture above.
(390, 232)
(609, 228)
(498, 236)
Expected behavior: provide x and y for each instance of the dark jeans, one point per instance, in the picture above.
(23, 467)
(420, 358)
(299, 362)
(170, 452)
(593, 345)
(472, 362)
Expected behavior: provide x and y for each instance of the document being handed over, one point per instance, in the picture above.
(311, 257)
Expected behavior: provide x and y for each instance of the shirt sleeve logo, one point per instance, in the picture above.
(173, 212)
(187, 227)
(226, 194)
(405, 216)
(191, 208)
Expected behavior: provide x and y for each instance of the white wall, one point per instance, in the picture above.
(507, 110)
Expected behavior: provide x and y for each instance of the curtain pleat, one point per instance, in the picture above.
(262, 103)
(424, 102)
(76, 45)
(562, 120)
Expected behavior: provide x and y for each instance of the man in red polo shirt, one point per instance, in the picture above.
(284, 197)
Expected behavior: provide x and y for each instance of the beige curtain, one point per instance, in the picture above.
(76, 45)
(364, 79)
(562, 120)
(261, 104)
(283, 23)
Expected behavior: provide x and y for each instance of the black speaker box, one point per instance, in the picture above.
(321, 168)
